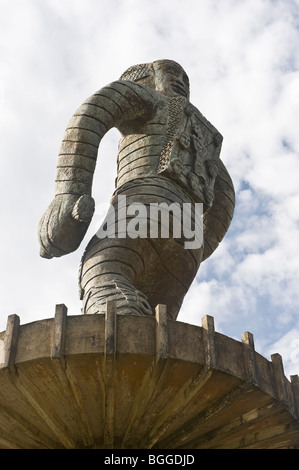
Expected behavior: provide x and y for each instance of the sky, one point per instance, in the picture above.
(242, 58)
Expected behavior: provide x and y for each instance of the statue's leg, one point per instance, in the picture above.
(108, 272)
(168, 274)
(139, 273)
(168, 266)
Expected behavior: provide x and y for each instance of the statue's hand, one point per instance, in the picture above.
(64, 224)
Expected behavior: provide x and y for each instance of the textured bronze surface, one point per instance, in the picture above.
(168, 152)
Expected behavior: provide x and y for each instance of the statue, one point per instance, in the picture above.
(168, 152)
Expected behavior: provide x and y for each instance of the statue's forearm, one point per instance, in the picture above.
(107, 108)
(67, 218)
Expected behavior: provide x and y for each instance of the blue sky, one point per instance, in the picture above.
(242, 58)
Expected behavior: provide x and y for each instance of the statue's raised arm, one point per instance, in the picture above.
(67, 218)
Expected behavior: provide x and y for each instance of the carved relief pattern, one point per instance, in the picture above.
(185, 129)
(176, 106)
(136, 72)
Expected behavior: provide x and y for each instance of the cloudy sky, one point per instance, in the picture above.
(242, 57)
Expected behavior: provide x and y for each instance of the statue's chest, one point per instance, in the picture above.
(191, 150)
(177, 142)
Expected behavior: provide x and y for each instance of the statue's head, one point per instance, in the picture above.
(165, 76)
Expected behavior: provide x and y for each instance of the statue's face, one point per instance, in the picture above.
(171, 79)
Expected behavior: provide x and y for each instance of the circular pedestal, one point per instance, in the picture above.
(125, 381)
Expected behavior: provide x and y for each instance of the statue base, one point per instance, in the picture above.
(140, 382)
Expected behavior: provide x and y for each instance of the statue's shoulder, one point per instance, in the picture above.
(131, 89)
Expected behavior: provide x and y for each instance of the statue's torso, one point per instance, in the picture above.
(176, 142)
